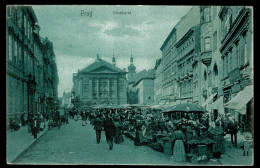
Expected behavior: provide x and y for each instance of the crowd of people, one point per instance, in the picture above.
(144, 124)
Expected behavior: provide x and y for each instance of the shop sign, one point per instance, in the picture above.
(234, 75)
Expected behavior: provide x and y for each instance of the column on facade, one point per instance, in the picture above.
(108, 84)
(90, 88)
(116, 89)
(98, 88)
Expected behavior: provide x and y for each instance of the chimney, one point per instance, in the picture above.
(37, 29)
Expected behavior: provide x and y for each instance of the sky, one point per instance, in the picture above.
(80, 32)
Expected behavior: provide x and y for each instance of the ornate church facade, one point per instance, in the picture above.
(100, 83)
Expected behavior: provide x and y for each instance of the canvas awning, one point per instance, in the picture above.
(239, 102)
(170, 104)
(209, 99)
(219, 105)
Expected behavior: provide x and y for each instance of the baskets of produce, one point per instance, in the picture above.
(207, 141)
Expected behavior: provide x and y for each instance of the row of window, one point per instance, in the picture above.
(236, 57)
(186, 88)
(20, 18)
(185, 66)
(186, 47)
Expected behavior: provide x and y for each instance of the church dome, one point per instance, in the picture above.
(131, 68)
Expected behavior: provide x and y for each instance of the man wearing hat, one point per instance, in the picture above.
(233, 130)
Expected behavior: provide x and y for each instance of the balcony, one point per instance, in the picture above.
(206, 57)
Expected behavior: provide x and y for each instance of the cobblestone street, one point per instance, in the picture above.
(75, 144)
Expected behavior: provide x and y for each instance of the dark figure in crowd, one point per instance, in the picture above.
(110, 130)
(22, 120)
(138, 129)
(35, 126)
(57, 118)
(178, 148)
(118, 137)
(30, 122)
(66, 115)
(98, 123)
(14, 124)
(233, 131)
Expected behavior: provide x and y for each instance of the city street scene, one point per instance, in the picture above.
(129, 85)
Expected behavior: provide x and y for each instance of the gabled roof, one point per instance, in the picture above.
(100, 63)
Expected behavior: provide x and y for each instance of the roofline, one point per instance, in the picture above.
(174, 28)
(136, 83)
(182, 40)
(31, 11)
(168, 38)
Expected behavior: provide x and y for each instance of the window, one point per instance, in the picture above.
(242, 54)
(207, 44)
(205, 75)
(10, 49)
(20, 53)
(15, 50)
(206, 14)
(214, 8)
(215, 40)
(224, 67)
(230, 61)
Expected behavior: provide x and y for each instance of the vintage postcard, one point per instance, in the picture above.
(129, 85)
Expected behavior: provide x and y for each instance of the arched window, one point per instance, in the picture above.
(205, 75)
(215, 70)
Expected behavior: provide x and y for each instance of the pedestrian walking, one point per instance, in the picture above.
(118, 135)
(84, 118)
(138, 133)
(35, 126)
(109, 128)
(233, 130)
(98, 125)
(178, 148)
(22, 119)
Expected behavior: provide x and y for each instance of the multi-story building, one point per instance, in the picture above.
(144, 86)
(236, 35)
(51, 79)
(216, 70)
(66, 100)
(158, 81)
(99, 83)
(188, 48)
(170, 54)
(25, 65)
(211, 59)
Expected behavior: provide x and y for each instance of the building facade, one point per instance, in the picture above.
(158, 81)
(170, 53)
(210, 61)
(100, 83)
(25, 62)
(188, 48)
(237, 61)
(144, 86)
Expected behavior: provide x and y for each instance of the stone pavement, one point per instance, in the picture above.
(234, 155)
(18, 141)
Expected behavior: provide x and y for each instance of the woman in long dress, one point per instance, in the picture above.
(178, 148)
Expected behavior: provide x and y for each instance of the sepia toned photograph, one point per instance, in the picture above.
(129, 85)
